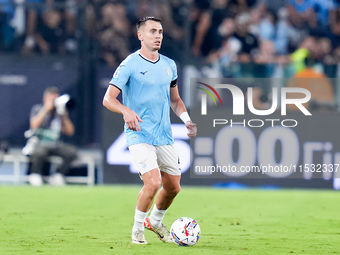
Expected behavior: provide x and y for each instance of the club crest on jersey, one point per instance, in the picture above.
(115, 75)
(168, 70)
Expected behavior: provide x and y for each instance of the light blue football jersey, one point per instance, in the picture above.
(145, 86)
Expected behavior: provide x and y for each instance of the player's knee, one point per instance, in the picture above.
(174, 190)
(153, 187)
(177, 189)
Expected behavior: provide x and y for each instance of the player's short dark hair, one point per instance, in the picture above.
(51, 90)
(142, 21)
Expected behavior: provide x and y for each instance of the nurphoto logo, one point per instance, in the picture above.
(239, 102)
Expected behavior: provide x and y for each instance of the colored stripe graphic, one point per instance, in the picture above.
(213, 90)
(207, 91)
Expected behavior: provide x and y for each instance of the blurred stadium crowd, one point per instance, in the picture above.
(214, 32)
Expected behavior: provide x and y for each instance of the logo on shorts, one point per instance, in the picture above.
(142, 164)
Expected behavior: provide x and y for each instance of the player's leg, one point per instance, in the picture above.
(144, 157)
(171, 175)
(152, 183)
(165, 197)
(170, 188)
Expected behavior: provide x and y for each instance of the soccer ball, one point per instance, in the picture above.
(185, 231)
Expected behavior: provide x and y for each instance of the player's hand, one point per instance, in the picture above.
(191, 128)
(132, 120)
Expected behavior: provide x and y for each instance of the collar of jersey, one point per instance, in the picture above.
(153, 62)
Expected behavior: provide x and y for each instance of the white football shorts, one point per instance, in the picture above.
(147, 157)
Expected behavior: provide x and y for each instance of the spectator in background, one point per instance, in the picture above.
(207, 28)
(334, 22)
(265, 25)
(34, 8)
(196, 11)
(6, 31)
(266, 53)
(306, 49)
(244, 5)
(68, 9)
(180, 11)
(174, 24)
(317, 83)
(173, 34)
(322, 11)
(225, 33)
(50, 36)
(113, 35)
(266, 58)
(172, 30)
(39, 11)
(48, 124)
(325, 51)
(225, 55)
(136, 9)
(270, 6)
(286, 35)
(276, 28)
(249, 42)
(336, 54)
(174, 14)
(301, 13)
(93, 17)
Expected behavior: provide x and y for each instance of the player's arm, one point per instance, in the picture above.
(180, 110)
(111, 102)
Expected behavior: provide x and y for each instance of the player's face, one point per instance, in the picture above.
(151, 35)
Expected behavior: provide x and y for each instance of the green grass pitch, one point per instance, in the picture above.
(98, 220)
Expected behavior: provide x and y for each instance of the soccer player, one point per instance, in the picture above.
(148, 82)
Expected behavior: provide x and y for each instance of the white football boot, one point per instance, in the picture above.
(138, 237)
(162, 232)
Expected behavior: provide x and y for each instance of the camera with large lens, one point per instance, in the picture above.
(62, 103)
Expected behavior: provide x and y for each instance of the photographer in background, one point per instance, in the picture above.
(48, 122)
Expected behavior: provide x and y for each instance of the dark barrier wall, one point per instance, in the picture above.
(103, 78)
(22, 82)
(311, 144)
